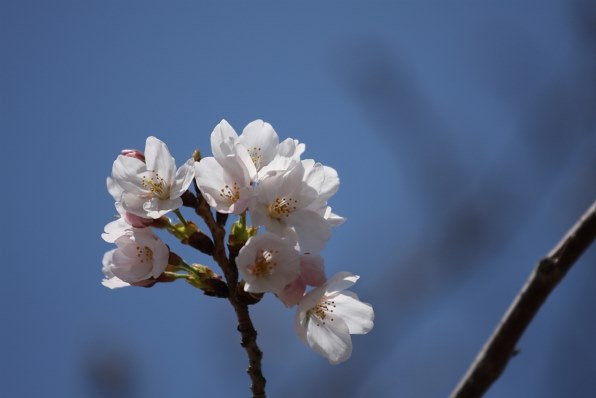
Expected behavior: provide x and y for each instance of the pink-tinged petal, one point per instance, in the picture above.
(312, 269)
(312, 229)
(357, 315)
(339, 282)
(292, 293)
(133, 153)
(184, 177)
(137, 221)
(330, 338)
(159, 159)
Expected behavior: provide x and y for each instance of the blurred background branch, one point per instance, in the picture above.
(501, 347)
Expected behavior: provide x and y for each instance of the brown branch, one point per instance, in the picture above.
(228, 266)
(501, 346)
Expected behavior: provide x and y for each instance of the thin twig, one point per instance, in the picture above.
(501, 346)
(245, 325)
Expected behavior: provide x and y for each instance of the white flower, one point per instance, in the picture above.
(139, 256)
(226, 188)
(151, 188)
(328, 315)
(267, 263)
(255, 148)
(225, 179)
(283, 201)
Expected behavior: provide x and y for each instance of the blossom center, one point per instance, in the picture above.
(156, 185)
(322, 312)
(144, 254)
(255, 155)
(282, 207)
(231, 194)
(264, 263)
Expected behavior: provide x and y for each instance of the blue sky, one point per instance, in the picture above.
(463, 134)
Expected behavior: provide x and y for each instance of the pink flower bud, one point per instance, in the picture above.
(292, 293)
(133, 153)
(136, 221)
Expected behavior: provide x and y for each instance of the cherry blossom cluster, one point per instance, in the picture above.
(253, 176)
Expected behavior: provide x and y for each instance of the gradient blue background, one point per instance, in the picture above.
(463, 133)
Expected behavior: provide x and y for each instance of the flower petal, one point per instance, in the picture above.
(184, 177)
(159, 159)
(126, 171)
(223, 138)
(261, 141)
(322, 179)
(114, 189)
(357, 315)
(312, 229)
(116, 229)
(339, 282)
(312, 269)
(218, 186)
(268, 263)
(156, 208)
(292, 293)
(114, 283)
(331, 339)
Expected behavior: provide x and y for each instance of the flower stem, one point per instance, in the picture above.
(185, 267)
(180, 217)
(175, 275)
(230, 271)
